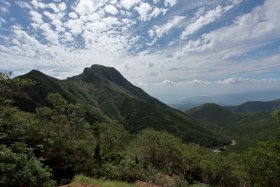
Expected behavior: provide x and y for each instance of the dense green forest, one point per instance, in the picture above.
(53, 135)
(244, 128)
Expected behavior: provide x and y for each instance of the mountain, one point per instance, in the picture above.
(212, 113)
(245, 128)
(256, 106)
(227, 99)
(107, 95)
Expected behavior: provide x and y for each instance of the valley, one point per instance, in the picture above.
(98, 129)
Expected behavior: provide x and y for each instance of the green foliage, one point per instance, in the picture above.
(113, 137)
(160, 150)
(102, 183)
(276, 114)
(246, 128)
(8, 87)
(73, 138)
(257, 106)
(105, 93)
(19, 168)
(68, 140)
(63, 120)
(262, 164)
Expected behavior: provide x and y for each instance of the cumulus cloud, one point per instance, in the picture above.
(86, 7)
(165, 28)
(23, 4)
(111, 9)
(205, 19)
(129, 3)
(246, 31)
(62, 6)
(73, 15)
(131, 35)
(144, 9)
(36, 17)
(170, 2)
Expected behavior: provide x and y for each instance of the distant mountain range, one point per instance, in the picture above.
(227, 99)
(107, 95)
(256, 106)
(246, 124)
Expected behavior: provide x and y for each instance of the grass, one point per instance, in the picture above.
(100, 183)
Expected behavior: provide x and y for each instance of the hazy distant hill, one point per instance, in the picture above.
(106, 94)
(227, 99)
(212, 113)
(256, 106)
(247, 128)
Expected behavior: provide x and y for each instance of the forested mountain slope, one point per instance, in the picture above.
(106, 94)
(246, 128)
(257, 106)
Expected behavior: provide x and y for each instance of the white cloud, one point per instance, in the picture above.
(144, 9)
(54, 7)
(88, 34)
(55, 21)
(233, 80)
(209, 17)
(170, 2)
(23, 4)
(75, 26)
(73, 15)
(165, 28)
(86, 7)
(4, 9)
(195, 81)
(2, 21)
(111, 9)
(36, 17)
(167, 82)
(35, 3)
(62, 6)
(129, 3)
(246, 32)
(157, 11)
(50, 35)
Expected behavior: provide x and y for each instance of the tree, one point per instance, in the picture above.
(276, 114)
(160, 150)
(68, 147)
(63, 120)
(19, 168)
(262, 164)
(9, 87)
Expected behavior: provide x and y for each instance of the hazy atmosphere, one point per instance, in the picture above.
(171, 48)
(139, 93)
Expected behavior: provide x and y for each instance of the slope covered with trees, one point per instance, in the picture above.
(51, 143)
(106, 95)
(246, 129)
(256, 106)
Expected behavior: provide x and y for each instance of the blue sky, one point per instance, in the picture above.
(171, 48)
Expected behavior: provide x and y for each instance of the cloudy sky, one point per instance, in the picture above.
(172, 49)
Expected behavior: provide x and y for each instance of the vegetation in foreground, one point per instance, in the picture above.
(99, 182)
(55, 142)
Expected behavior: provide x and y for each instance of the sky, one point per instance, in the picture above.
(173, 49)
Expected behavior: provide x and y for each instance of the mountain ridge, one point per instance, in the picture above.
(107, 95)
(256, 106)
(245, 128)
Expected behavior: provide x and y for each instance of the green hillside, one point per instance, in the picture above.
(59, 139)
(212, 113)
(256, 106)
(246, 128)
(106, 94)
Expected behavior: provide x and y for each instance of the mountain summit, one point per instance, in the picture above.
(107, 95)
